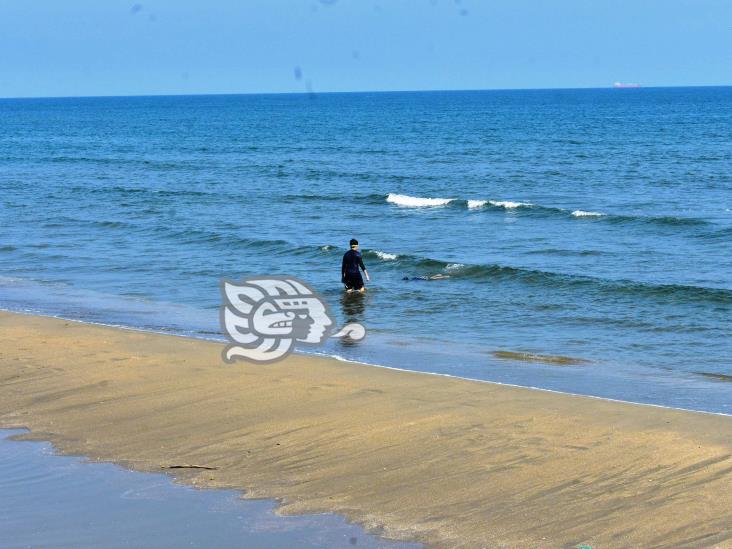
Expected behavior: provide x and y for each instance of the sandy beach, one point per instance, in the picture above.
(448, 462)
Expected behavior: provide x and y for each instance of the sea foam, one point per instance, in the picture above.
(509, 204)
(385, 255)
(582, 213)
(416, 201)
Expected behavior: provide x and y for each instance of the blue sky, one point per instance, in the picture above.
(113, 47)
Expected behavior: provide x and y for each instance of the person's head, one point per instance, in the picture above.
(354, 244)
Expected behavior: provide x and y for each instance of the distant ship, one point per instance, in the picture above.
(622, 86)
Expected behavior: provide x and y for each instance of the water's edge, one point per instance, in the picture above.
(221, 339)
(326, 524)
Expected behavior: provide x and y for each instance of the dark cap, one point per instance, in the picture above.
(354, 242)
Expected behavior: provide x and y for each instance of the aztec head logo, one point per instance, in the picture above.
(264, 317)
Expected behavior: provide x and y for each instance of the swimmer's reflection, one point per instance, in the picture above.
(353, 306)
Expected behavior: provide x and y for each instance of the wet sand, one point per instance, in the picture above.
(65, 502)
(415, 457)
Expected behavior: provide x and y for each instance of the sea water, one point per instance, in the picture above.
(63, 501)
(589, 224)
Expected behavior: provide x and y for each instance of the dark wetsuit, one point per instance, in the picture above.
(350, 275)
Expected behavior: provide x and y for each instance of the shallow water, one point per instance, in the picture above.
(48, 500)
(588, 224)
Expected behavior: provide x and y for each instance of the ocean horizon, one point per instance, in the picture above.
(381, 91)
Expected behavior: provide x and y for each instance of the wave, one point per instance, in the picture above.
(424, 268)
(375, 255)
(582, 213)
(385, 256)
(126, 191)
(121, 161)
(109, 224)
(226, 240)
(569, 253)
(509, 205)
(506, 204)
(537, 209)
(211, 238)
(427, 268)
(720, 234)
(423, 202)
(503, 204)
(363, 198)
(65, 221)
(416, 202)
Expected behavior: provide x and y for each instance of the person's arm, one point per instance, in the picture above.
(363, 268)
(343, 269)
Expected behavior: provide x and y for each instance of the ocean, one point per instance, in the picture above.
(571, 240)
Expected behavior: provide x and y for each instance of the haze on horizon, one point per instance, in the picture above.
(151, 47)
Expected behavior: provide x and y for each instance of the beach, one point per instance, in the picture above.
(412, 456)
(539, 353)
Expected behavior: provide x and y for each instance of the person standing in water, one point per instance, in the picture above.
(350, 273)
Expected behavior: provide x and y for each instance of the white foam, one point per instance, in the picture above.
(385, 256)
(454, 266)
(508, 204)
(582, 213)
(476, 203)
(416, 201)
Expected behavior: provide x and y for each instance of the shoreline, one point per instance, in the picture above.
(432, 458)
(96, 504)
(325, 356)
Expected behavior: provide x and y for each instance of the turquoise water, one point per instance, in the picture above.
(593, 224)
(61, 501)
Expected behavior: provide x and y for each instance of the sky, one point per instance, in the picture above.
(51, 48)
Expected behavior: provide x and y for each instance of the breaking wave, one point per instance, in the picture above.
(385, 256)
(415, 201)
(506, 204)
(509, 205)
(472, 204)
(529, 208)
(583, 213)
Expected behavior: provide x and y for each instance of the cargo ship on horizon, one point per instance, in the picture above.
(622, 86)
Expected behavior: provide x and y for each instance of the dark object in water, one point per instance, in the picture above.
(715, 376)
(551, 359)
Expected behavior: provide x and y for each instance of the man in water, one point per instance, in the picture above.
(350, 274)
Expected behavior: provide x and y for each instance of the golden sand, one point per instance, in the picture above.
(449, 462)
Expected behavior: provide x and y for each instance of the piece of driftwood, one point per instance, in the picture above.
(189, 467)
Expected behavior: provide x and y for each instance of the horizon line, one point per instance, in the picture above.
(316, 93)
